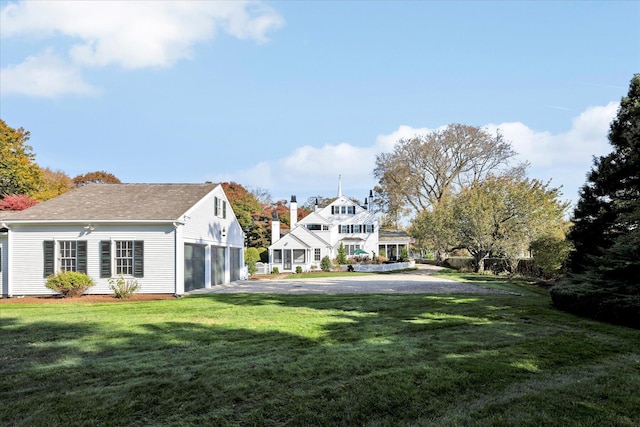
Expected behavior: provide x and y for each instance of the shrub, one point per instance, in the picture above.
(298, 269)
(69, 283)
(251, 256)
(597, 303)
(404, 254)
(264, 255)
(276, 270)
(326, 264)
(123, 288)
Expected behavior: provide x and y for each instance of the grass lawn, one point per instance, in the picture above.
(327, 360)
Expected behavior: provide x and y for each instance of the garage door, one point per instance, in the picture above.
(194, 265)
(217, 265)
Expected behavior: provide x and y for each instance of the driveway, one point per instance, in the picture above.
(420, 281)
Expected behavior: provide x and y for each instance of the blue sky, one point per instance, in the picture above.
(285, 96)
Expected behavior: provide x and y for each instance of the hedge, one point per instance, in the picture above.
(597, 303)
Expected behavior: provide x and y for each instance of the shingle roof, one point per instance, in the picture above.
(109, 202)
(393, 235)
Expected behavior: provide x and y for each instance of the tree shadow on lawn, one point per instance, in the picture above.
(372, 359)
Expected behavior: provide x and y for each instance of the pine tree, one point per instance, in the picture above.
(606, 231)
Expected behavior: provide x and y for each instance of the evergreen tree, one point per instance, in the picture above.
(606, 231)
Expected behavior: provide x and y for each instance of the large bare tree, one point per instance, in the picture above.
(423, 169)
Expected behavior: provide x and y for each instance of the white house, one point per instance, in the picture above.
(170, 238)
(320, 234)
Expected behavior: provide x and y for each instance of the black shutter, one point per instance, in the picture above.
(105, 258)
(49, 257)
(215, 206)
(224, 209)
(138, 258)
(81, 256)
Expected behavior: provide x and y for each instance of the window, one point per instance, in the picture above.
(357, 228)
(369, 228)
(124, 257)
(350, 249)
(343, 209)
(71, 256)
(277, 256)
(314, 227)
(128, 258)
(351, 210)
(344, 229)
(298, 256)
(219, 207)
(67, 255)
(316, 254)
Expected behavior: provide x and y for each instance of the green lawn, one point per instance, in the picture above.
(271, 360)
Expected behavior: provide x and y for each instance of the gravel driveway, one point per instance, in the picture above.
(420, 281)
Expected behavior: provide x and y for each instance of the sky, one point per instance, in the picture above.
(286, 96)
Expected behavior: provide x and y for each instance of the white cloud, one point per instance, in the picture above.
(586, 138)
(565, 158)
(45, 75)
(134, 34)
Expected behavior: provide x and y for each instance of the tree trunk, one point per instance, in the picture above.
(479, 258)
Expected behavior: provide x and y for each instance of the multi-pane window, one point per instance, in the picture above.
(67, 255)
(277, 256)
(316, 254)
(351, 210)
(64, 255)
(124, 257)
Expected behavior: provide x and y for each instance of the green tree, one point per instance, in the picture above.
(19, 173)
(499, 216)
(606, 231)
(434, 229)
(550, 254)
(342, 255)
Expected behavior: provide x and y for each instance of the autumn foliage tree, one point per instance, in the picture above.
(19, 173)
(16, 202)
(97, 177)
(53, 184)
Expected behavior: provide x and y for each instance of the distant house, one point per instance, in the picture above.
(171, 238)
(320, 234)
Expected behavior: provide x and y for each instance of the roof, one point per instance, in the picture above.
(114, 202)
(393, 236)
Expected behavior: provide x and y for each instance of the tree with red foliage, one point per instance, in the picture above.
(16, 202)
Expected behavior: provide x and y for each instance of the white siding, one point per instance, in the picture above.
(27, 255)
(203, 226)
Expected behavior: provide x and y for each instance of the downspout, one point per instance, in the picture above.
(179, 260)
(8, 266)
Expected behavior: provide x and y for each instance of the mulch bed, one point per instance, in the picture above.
(56, 299)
